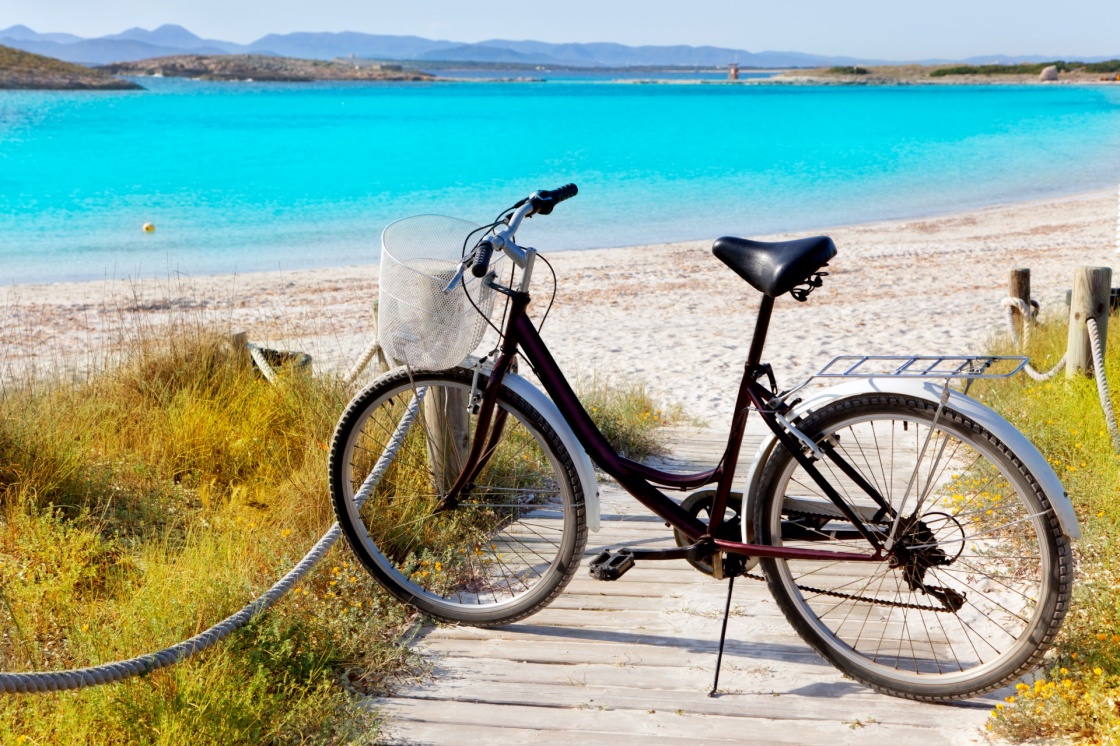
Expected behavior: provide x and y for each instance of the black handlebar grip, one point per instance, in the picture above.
(565, 192)
(546, 199)
(482, 259)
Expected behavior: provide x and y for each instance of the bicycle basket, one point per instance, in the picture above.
(418, 324)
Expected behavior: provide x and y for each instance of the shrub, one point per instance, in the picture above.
(1076, 696)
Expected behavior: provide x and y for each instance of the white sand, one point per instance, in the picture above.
(671, 314)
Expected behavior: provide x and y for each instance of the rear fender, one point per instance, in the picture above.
(930, 391)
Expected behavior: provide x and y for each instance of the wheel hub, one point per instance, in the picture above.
(918, 550)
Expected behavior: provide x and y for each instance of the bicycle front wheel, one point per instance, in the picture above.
(501, 551)
(982, 573)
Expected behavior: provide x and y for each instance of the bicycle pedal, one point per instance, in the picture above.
(609, 566)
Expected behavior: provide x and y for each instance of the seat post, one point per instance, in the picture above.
(761, 325)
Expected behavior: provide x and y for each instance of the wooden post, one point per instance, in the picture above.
(448, 429)
(239, 346)
(1091, 290)
(1020, 287)
(382, 361)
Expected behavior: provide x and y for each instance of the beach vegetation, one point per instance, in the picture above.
(147, 500)
(1075, 695)
(853, 70)
(1026, 68)
(1108, 66)
(628, 415)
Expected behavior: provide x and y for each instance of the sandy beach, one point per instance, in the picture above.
(671, 314)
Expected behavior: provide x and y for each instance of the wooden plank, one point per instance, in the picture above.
(590, 725)
(611, 647)
(830, 703)
(684, 682)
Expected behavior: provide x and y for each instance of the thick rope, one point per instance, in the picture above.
(363, 361)
(1027, 313)
(262, 364)
(1025, 310)
(1102, 382)
(51, 681)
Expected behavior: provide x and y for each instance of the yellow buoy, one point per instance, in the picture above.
(149, 227)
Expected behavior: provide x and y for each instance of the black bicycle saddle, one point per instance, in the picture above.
(774, 268)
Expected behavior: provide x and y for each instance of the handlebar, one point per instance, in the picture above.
(544, 200)
(540, 202)
(482, 255)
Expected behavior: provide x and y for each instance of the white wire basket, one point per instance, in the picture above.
(418, 324)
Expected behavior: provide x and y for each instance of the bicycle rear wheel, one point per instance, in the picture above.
(984, 573)
(511, 541)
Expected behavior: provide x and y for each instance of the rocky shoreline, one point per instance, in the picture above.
(21, 70)
(258, 67)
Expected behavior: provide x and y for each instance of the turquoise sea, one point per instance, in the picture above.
(247, 176)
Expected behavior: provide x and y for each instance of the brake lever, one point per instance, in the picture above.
(458, 277)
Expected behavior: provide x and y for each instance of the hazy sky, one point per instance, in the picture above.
(890, 29)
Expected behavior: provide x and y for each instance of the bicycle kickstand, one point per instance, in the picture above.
(722, 635)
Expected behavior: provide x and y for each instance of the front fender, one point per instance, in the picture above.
(928, 390)
(585, 470)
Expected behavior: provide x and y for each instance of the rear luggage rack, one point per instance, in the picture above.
(922, 366)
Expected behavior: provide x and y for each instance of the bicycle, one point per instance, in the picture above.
(911, 536)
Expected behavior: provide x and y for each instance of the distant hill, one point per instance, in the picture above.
(24, 70)
(175, 37)
(331, 45)
(169, 39)
(24, 33)
(605, 54)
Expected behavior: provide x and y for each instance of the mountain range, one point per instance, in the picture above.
(137, 44)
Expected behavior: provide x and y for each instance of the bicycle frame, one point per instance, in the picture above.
(639, 479)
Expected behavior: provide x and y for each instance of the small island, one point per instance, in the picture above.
(263, 68)
(26, 71)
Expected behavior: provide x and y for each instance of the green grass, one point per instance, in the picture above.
(1027, 68)
(151, 500)
(1109, 66)
(628, 415)
(1077, 696)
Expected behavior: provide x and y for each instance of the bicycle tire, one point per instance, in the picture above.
(901, 630)
(513, 540)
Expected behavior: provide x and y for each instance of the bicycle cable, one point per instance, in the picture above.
(555, 286)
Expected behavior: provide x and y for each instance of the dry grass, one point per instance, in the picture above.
(627, 415)
(1077, 696)
(146, 503)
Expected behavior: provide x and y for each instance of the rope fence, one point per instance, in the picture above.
(1087, 303)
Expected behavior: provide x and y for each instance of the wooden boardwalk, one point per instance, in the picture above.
(632, 662)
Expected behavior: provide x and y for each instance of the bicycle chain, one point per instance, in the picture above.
(853, 596)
